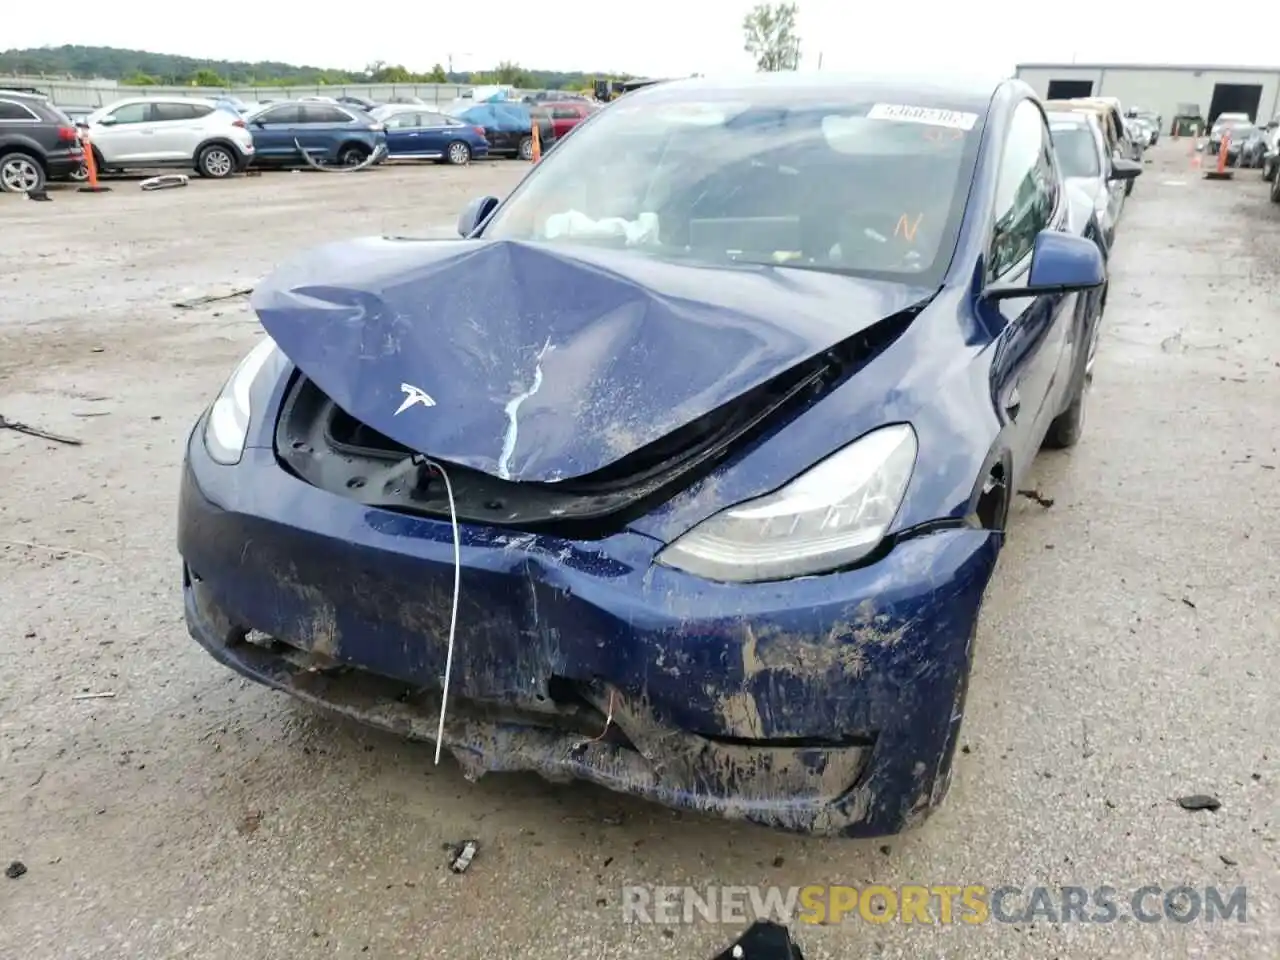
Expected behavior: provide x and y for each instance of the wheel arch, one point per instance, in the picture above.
(25, 145)
(353, 144)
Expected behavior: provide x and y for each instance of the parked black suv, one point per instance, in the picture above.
(37, 142)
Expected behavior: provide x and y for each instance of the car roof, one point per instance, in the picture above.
(967, 92)
(1077, 117)
(10, 93)
(171, 98)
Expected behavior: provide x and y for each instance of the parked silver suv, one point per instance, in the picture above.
(170, 132)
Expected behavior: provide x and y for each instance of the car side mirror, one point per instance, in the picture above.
(1060, 263)
(475, 213)
(1123, 168)
(107, 122)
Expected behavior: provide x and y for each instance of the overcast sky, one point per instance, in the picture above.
(654, 37)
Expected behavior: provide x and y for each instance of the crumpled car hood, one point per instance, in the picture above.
(534, 362)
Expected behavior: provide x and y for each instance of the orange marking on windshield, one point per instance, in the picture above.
(907, 228)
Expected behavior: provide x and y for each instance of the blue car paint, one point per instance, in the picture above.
(870, 650)
(277, 142)
(613, 350)
(430, 141)
(875, 658)
(513, 117)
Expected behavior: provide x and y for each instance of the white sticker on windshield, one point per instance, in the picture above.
(930, 116)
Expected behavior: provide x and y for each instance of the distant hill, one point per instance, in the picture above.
(141, 67)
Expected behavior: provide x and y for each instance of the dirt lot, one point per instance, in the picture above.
(1127, 657)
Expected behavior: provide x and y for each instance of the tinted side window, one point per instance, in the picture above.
(133, 113)
(323, 113)
(403, 121)
(289, 114)
(1027, 188)
(12, 110)
(564, 113)
(178, 111)
(436, 120)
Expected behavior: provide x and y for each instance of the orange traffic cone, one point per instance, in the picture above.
(1221, 172)
(536, 154)
(91, 167)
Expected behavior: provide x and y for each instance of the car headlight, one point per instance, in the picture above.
(830, 516)
(227, 428)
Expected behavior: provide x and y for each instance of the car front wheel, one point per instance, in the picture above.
(1275, 186)
(1067, 427)
(526, 149)
(352, 156)
(215, 162)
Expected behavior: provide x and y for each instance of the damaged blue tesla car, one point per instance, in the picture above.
(684, 469)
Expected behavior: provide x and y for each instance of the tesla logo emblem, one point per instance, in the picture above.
(413, 395)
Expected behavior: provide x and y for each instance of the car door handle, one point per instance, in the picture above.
(1013, 404)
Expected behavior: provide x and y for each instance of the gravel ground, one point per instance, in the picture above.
(1127, 655)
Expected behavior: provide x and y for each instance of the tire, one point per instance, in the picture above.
(80, 174)
(1068, 426)
(215, 162)
(1268, 172)
(1128, 187)
(20, 173)
(352, 155)
(458, 153)
(1275, 187)
(525, 150)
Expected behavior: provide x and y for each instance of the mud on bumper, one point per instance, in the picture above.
(827, 706)
(609, 738)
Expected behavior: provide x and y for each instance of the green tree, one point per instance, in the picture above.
(207, 78)
(511, 73)
(141, 80)
(769, 33)
(393, 73)
(437, 74)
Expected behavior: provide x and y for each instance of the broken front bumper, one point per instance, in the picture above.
(827, 705)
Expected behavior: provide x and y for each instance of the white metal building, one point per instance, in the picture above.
(1161, 88)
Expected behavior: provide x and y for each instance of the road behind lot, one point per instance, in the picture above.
(1127, 655)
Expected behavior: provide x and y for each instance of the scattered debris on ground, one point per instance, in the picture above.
(462, 856)
(18, 427)
(166, 181)
(1199, 801)
(1038, 497)
(15, 869)
(212, 298)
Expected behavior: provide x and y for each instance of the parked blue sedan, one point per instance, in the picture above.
(330, 133)
(685, 470)
(419, 134)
